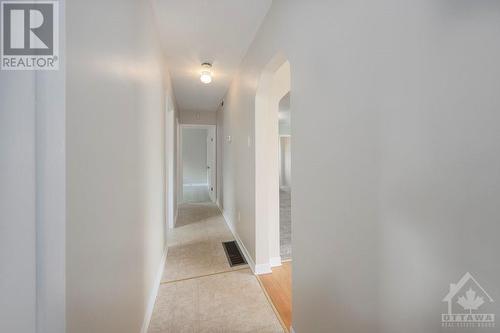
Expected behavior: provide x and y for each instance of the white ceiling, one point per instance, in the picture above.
(215, 31)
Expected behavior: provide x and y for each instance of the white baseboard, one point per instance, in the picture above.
(154, 293)
(256, 269)
(246, 254)
(262, 269)
(275, 261)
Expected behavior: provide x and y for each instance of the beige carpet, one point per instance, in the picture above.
(285, 225)
(230, 302)
(195, 246)
(196, 212)
(195, 193)
(200, 292)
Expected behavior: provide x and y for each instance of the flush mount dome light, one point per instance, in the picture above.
(206, 74)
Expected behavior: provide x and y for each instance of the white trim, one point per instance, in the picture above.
(246, 254)
(262, 269)
(154, 293)
(170, 168)
(178, 175)
(273, 84)
(256, 269)
(275, 261)
(292, 330)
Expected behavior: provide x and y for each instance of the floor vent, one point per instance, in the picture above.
(233, 253)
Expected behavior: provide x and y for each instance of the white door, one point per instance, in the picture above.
(211, 168)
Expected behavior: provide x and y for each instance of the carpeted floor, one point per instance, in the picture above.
(199, 291)
(285, 225)
(195, 193)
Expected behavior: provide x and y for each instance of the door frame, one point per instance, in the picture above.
(170, 123)
(181, 162)
(274, 83)
(212, 173)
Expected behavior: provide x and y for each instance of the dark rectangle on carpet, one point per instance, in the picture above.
(233, 253)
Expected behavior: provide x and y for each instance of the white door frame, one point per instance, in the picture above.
(179, 154)
(169, 165)
(274, 83)
(177, 168)
(212, 168)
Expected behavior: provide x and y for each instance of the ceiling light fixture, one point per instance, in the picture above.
(206, 73)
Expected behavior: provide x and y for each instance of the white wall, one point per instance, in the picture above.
(116, 231)
(220, 140)
(194, 156)
(285, 162)
(17, 202)
(285, 127)
(404, 199)
(198, 117)
(32, 198)
(171, 155)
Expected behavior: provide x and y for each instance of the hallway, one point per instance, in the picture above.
(199, 291)
(369, 129)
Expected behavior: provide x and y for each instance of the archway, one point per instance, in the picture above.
(274, 84)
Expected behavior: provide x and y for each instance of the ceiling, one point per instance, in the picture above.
(197, 31)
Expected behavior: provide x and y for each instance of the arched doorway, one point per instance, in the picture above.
(274, 85)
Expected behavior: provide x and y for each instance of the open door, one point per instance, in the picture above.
(211, 167)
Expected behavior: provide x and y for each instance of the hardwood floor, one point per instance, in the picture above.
(278, 286)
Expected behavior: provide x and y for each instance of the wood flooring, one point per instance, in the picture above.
(278, 286)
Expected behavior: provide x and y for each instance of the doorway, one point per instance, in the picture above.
(285, 187)
(273, 91)
(198, 163)
(273, 186)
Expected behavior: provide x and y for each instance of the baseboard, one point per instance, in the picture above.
(246, 254)
(154, 293)
(256, 269)
(275, 261)
(262, 269)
